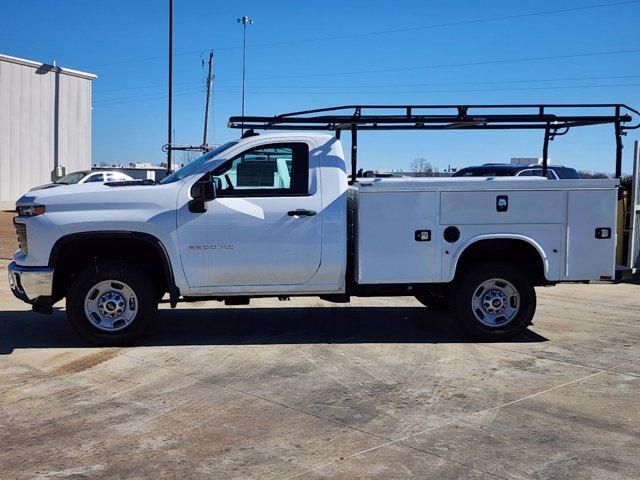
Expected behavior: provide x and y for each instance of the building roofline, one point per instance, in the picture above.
(47, 67)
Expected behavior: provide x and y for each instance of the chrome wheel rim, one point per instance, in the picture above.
(111, 305)
(495, 303)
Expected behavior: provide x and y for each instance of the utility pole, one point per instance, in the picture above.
(244, 21)
(206, 107)
(170, 113)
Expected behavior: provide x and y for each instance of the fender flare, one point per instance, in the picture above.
(498, 236)
(174, 291)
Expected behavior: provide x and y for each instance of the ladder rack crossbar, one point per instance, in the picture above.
(554, 119)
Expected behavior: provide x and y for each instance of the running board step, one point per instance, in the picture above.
(237, 300)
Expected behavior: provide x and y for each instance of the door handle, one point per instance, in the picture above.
(301, 212)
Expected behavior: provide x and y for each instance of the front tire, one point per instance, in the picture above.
(111, 304)
(494, 301)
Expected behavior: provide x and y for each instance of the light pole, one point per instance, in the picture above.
(244, 21)
(170, 103)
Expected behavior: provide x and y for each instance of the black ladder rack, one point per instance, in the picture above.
(553, 119)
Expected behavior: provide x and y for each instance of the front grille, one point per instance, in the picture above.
(21, 230)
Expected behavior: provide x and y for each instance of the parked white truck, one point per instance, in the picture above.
(274, 215)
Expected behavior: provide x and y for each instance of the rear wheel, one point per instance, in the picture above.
(494, 301)
(111, 304)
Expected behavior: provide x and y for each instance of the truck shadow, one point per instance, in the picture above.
(247, 326)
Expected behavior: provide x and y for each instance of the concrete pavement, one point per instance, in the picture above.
(380, 388)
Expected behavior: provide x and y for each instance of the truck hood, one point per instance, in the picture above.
(98, 196)
(46, 185)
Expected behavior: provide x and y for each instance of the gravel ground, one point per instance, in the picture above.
(8, 242)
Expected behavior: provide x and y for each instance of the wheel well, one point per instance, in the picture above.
(70, 255)
(507, 250)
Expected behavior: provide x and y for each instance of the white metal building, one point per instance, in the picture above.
(45, 124)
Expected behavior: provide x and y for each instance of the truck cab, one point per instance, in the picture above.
(277, 223)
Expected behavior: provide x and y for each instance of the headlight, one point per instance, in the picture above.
(30, 210)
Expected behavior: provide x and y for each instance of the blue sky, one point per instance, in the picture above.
(304, 54)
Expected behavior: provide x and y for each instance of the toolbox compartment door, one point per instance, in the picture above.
(391, 238)
(522, 206)
(591, 214)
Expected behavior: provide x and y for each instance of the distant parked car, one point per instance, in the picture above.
(87, 176)
(554, 172)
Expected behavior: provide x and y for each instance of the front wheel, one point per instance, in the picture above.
(111, 304)
(494, 301)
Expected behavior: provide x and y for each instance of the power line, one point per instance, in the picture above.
(234, 92)
(141, 59)
(460, 90)
(440, 84)
(357, 86)
(444, 25)
(161, 97)
(462, 64)
(380, 32)
(192, 89)
(434, 84)
(143, 87)
(148, 96)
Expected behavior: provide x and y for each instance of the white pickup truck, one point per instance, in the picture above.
(274, 216)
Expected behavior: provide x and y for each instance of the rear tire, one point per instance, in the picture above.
(111, 304)
(494, 301)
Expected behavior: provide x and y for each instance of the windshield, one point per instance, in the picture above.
(194, 166)
(71, 178)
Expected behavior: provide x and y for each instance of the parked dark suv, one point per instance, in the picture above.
(554, 172)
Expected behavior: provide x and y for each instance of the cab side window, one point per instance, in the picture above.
(268, 170)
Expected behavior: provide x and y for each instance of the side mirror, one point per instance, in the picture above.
(203, 191)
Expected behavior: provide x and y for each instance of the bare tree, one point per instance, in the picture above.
(588, 174)
(189, 156)
(421, 167)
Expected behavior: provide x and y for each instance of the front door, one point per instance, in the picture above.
(264, 226)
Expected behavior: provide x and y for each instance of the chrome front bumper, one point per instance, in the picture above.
(31, 284)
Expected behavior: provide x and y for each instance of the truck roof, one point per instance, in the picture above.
(288, 134)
